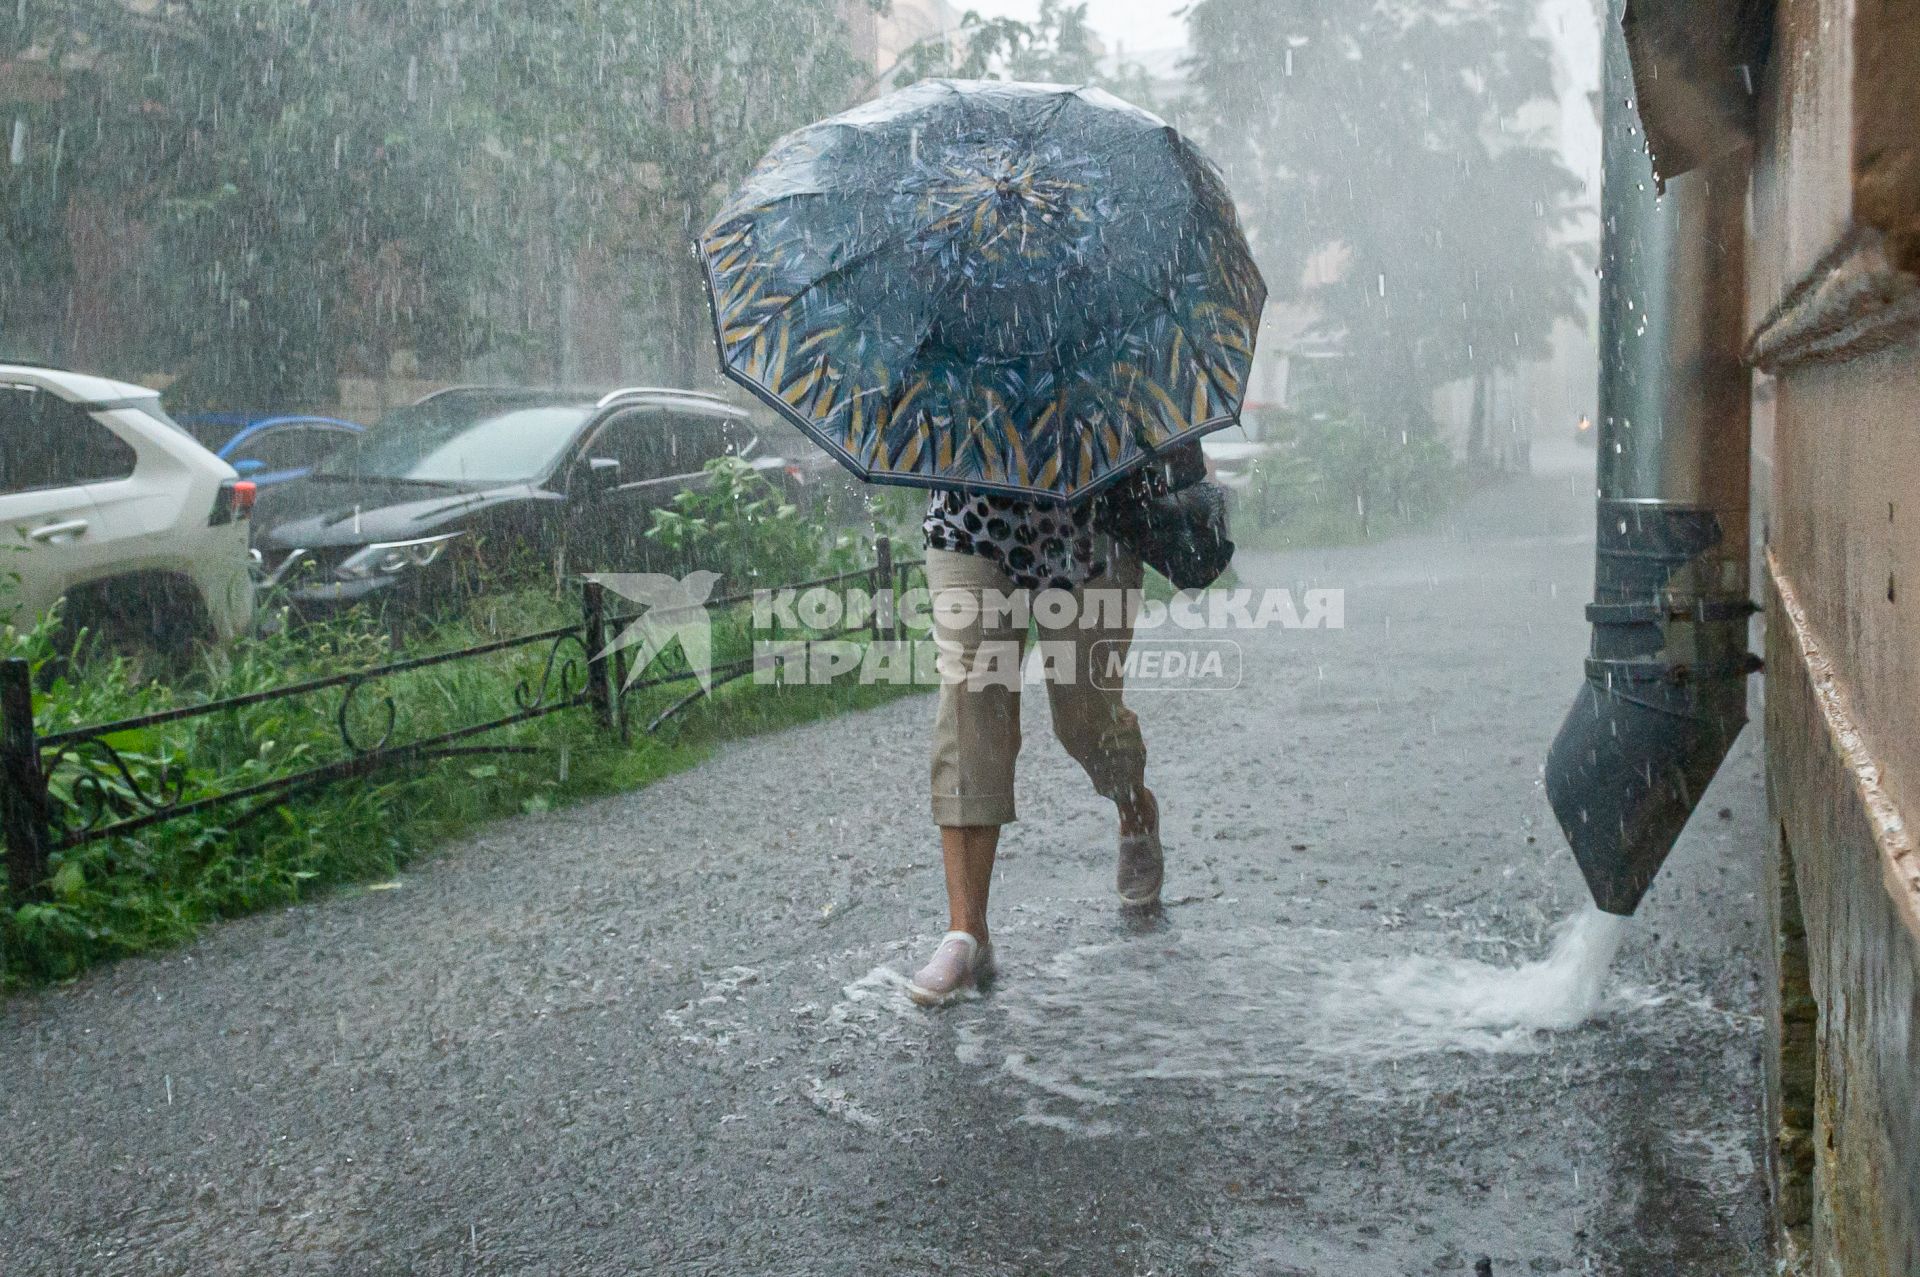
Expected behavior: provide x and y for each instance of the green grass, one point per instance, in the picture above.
(1332, 479)
(160, 886)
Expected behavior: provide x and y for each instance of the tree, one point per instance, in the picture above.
(645, 114)
(293, 174)
(1058, 47)
(1382, 130)
(319, 186)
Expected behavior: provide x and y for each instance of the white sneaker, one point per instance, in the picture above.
(960, 965)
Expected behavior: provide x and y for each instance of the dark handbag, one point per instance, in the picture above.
(1174, 518)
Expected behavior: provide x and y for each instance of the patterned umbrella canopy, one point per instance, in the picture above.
(1027, 289)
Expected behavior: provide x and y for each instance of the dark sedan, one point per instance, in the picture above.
(447, 493)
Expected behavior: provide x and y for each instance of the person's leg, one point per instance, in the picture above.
(964, 958)
(976, 739)
(1090, 714)
(1139, 812)
(1091, 718)
(968, 852)
(976, 731)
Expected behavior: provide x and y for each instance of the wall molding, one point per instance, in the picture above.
(1854, 301)
(1899, 860)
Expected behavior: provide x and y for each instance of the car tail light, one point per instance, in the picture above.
(234, 502)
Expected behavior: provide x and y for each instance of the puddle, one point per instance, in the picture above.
(835, 1102)
(1079, 1034)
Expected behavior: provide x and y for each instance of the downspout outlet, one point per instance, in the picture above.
(1665, 692)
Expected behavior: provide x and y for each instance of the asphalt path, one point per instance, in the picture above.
(664, 1032)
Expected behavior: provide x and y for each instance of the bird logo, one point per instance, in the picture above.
(676, 612)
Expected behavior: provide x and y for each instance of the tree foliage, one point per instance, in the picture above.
(315, 186)
(1057, 47)
(1380, 136)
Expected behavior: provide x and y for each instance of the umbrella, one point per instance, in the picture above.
(1025, 289)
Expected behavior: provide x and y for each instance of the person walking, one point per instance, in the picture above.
(988, 557)
(1028, 298)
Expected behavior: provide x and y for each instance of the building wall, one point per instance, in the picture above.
(1835, 325)
(907, 22)
(880, 39)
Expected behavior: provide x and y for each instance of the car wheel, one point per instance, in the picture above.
(143, 618)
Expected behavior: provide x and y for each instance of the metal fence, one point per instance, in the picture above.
(106, 797)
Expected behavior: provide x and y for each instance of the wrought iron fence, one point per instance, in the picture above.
(106, 797)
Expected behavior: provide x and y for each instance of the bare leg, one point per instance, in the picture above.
(968, 852)
(964, 958)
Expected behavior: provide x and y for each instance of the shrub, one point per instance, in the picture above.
(740, 525)
(1333, 478)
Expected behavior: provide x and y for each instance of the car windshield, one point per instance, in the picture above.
(463, 441)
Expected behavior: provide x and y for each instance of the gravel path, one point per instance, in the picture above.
(661, 1033)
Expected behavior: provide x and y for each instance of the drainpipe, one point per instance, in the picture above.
(1665, 692)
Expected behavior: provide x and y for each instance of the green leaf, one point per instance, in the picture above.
(69, 882)
(135, 740)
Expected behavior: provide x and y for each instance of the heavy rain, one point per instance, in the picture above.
(1247, 637)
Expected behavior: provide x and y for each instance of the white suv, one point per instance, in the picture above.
(105, 500)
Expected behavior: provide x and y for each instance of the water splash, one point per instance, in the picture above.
(1442, 1003)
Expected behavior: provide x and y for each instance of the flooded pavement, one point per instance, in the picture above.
(665, 1032)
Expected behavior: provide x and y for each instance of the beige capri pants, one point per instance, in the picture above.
(976, 733)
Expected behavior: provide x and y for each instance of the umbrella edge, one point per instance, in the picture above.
(760, 392)
(933, 484)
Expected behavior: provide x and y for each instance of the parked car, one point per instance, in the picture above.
(806, 473)
(1235, 455)
(411, 511)
(108, 502)
(269, 450)
(1234, 463)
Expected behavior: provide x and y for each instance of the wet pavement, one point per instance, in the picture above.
(663, 1032)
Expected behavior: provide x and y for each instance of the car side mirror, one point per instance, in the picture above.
(601, 475)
